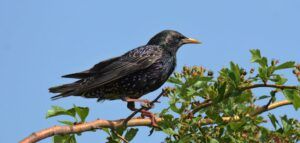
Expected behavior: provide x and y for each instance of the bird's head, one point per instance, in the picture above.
(171, 40)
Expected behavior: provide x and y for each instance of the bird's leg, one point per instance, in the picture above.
(146, 113)
(146, 102)
(127, 99)
(131, 106)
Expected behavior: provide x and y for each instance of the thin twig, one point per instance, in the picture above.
(119, 136)
(203, 104)
(208, 103)
(268, 85)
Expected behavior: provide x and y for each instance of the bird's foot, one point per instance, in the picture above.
(145, 113)
(147, 104)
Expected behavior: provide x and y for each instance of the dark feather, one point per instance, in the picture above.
(94, 70)
(64, 90)
(129, 63)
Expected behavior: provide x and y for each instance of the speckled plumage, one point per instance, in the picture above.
(141, 82)
(132, 75)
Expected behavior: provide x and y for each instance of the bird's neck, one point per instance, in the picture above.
(171, 49)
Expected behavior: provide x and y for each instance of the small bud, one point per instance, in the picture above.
(295, 71)
(274, 62)
(244, 72)
(248, 81)
(168, 90)
(194, 74)
(186, 70)
(252, 70)
(177, 75)
(210, 73)
(194, 68)
(298, 66)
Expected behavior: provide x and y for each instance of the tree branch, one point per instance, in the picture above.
(88, 126)
(208, 102)
(98, 124)
(260, 110)
(268, 85)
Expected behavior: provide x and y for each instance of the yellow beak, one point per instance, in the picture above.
(190, 41)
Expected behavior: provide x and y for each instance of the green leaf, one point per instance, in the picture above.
(216, 117)
(270, 71)
(204, 78)
(255, 55)
(236, 125)
(184, 139)
(263, 62)
(293, 95)
(56, 111)
(120, 130)
(64, 139)
(285, 124)
(71, 139)
(107, 131)
(296, 100)
(130, 134)
(273, 120)
(263, 97)
(174, 107)
(190, 91)
(59, 139)
(222, 89)
(286, 65)
(263, 73)
(264, 134)
(257, 58)
(175, 80)
(236, 71)
(213, 141)
(279, 80)
(66, 122)
(82, 112)
(169, 131)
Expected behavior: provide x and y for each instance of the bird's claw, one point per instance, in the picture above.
(146, 103)
(145, 113)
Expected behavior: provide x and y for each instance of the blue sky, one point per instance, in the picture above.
(40, 40)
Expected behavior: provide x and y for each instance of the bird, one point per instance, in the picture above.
(129, 76)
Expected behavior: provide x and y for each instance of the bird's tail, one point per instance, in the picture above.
(64, 90)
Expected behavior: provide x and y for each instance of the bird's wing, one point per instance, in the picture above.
(93, 70)
(137, 59)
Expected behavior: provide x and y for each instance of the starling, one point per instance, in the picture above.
(130, 76)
